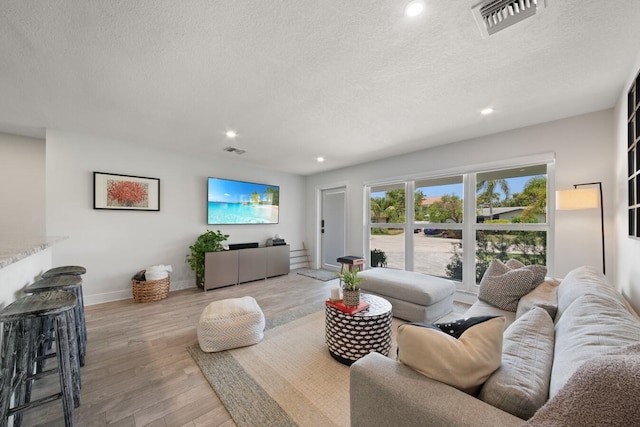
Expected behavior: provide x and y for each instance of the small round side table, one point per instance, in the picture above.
(353, 336)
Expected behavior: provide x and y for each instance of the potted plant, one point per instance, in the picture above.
(378, 258)
(211, 241)
(350, 287)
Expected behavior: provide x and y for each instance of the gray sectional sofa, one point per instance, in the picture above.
(548, 341)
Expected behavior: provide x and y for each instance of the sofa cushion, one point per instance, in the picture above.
(521, 385)
(593, 325)
(545, 295)
(481, 308)
(581, 281)
(539, 271)
(602, 392)
(465, 362)
(503, 287)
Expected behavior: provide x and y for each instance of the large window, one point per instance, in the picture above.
(438, 218)
(461, 222)
(387, 224)
(511, 216)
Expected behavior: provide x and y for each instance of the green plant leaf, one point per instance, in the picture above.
(210, 241)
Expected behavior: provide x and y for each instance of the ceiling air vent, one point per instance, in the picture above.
(496, 15)
(233, 150)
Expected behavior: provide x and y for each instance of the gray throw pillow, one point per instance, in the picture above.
(503, 287)
(539, 271)
(521, 385)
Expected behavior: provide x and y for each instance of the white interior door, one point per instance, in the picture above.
(332, 226)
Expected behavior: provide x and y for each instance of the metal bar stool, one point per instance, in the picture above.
(71, 270)
(22, 334)
(72, 284)
(65, 270)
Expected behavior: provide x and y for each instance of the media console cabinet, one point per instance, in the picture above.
(244, 265)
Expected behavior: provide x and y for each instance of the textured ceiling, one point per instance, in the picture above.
(352, 80)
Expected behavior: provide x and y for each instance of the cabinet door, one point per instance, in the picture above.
(278, 260)
(220, 269)
(252, 264)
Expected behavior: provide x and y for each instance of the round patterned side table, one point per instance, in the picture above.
(353, 336)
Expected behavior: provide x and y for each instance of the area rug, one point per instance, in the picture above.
(288, 379)
(324, 275)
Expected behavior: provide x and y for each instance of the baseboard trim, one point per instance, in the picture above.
(126, 294)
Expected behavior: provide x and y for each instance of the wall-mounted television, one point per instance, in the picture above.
(241, 202)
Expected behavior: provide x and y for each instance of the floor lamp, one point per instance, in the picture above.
(583, 198)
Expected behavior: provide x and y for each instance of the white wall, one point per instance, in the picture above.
(113, 245)
(22, 193)
(628, 276)
(584, 151)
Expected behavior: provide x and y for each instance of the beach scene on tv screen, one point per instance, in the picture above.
(238, 202)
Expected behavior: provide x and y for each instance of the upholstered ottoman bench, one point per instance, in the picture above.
(415, 297)
(230, 323)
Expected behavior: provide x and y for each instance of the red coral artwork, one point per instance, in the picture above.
(127, 193)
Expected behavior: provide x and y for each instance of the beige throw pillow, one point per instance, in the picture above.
(545, 295)
(503, 287)
(464, 363)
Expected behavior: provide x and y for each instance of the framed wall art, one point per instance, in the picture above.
(124, 192)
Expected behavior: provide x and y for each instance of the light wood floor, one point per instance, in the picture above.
(138, 372)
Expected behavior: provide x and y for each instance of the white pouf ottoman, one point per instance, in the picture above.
(230, 323)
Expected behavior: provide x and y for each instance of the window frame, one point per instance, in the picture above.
(469, 225)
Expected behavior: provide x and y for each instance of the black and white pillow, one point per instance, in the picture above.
(457, 327)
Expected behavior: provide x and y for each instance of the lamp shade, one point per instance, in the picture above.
(577, 198)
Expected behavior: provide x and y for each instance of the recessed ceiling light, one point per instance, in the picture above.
(414, 8)
(486, 111)
(320, 159)
(231, 134)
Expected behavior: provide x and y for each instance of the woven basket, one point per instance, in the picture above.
(149, 290)
(351, 298)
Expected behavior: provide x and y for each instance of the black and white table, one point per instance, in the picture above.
(353, 336)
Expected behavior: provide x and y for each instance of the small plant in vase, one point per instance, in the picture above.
(378, 258)
(350, 287)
